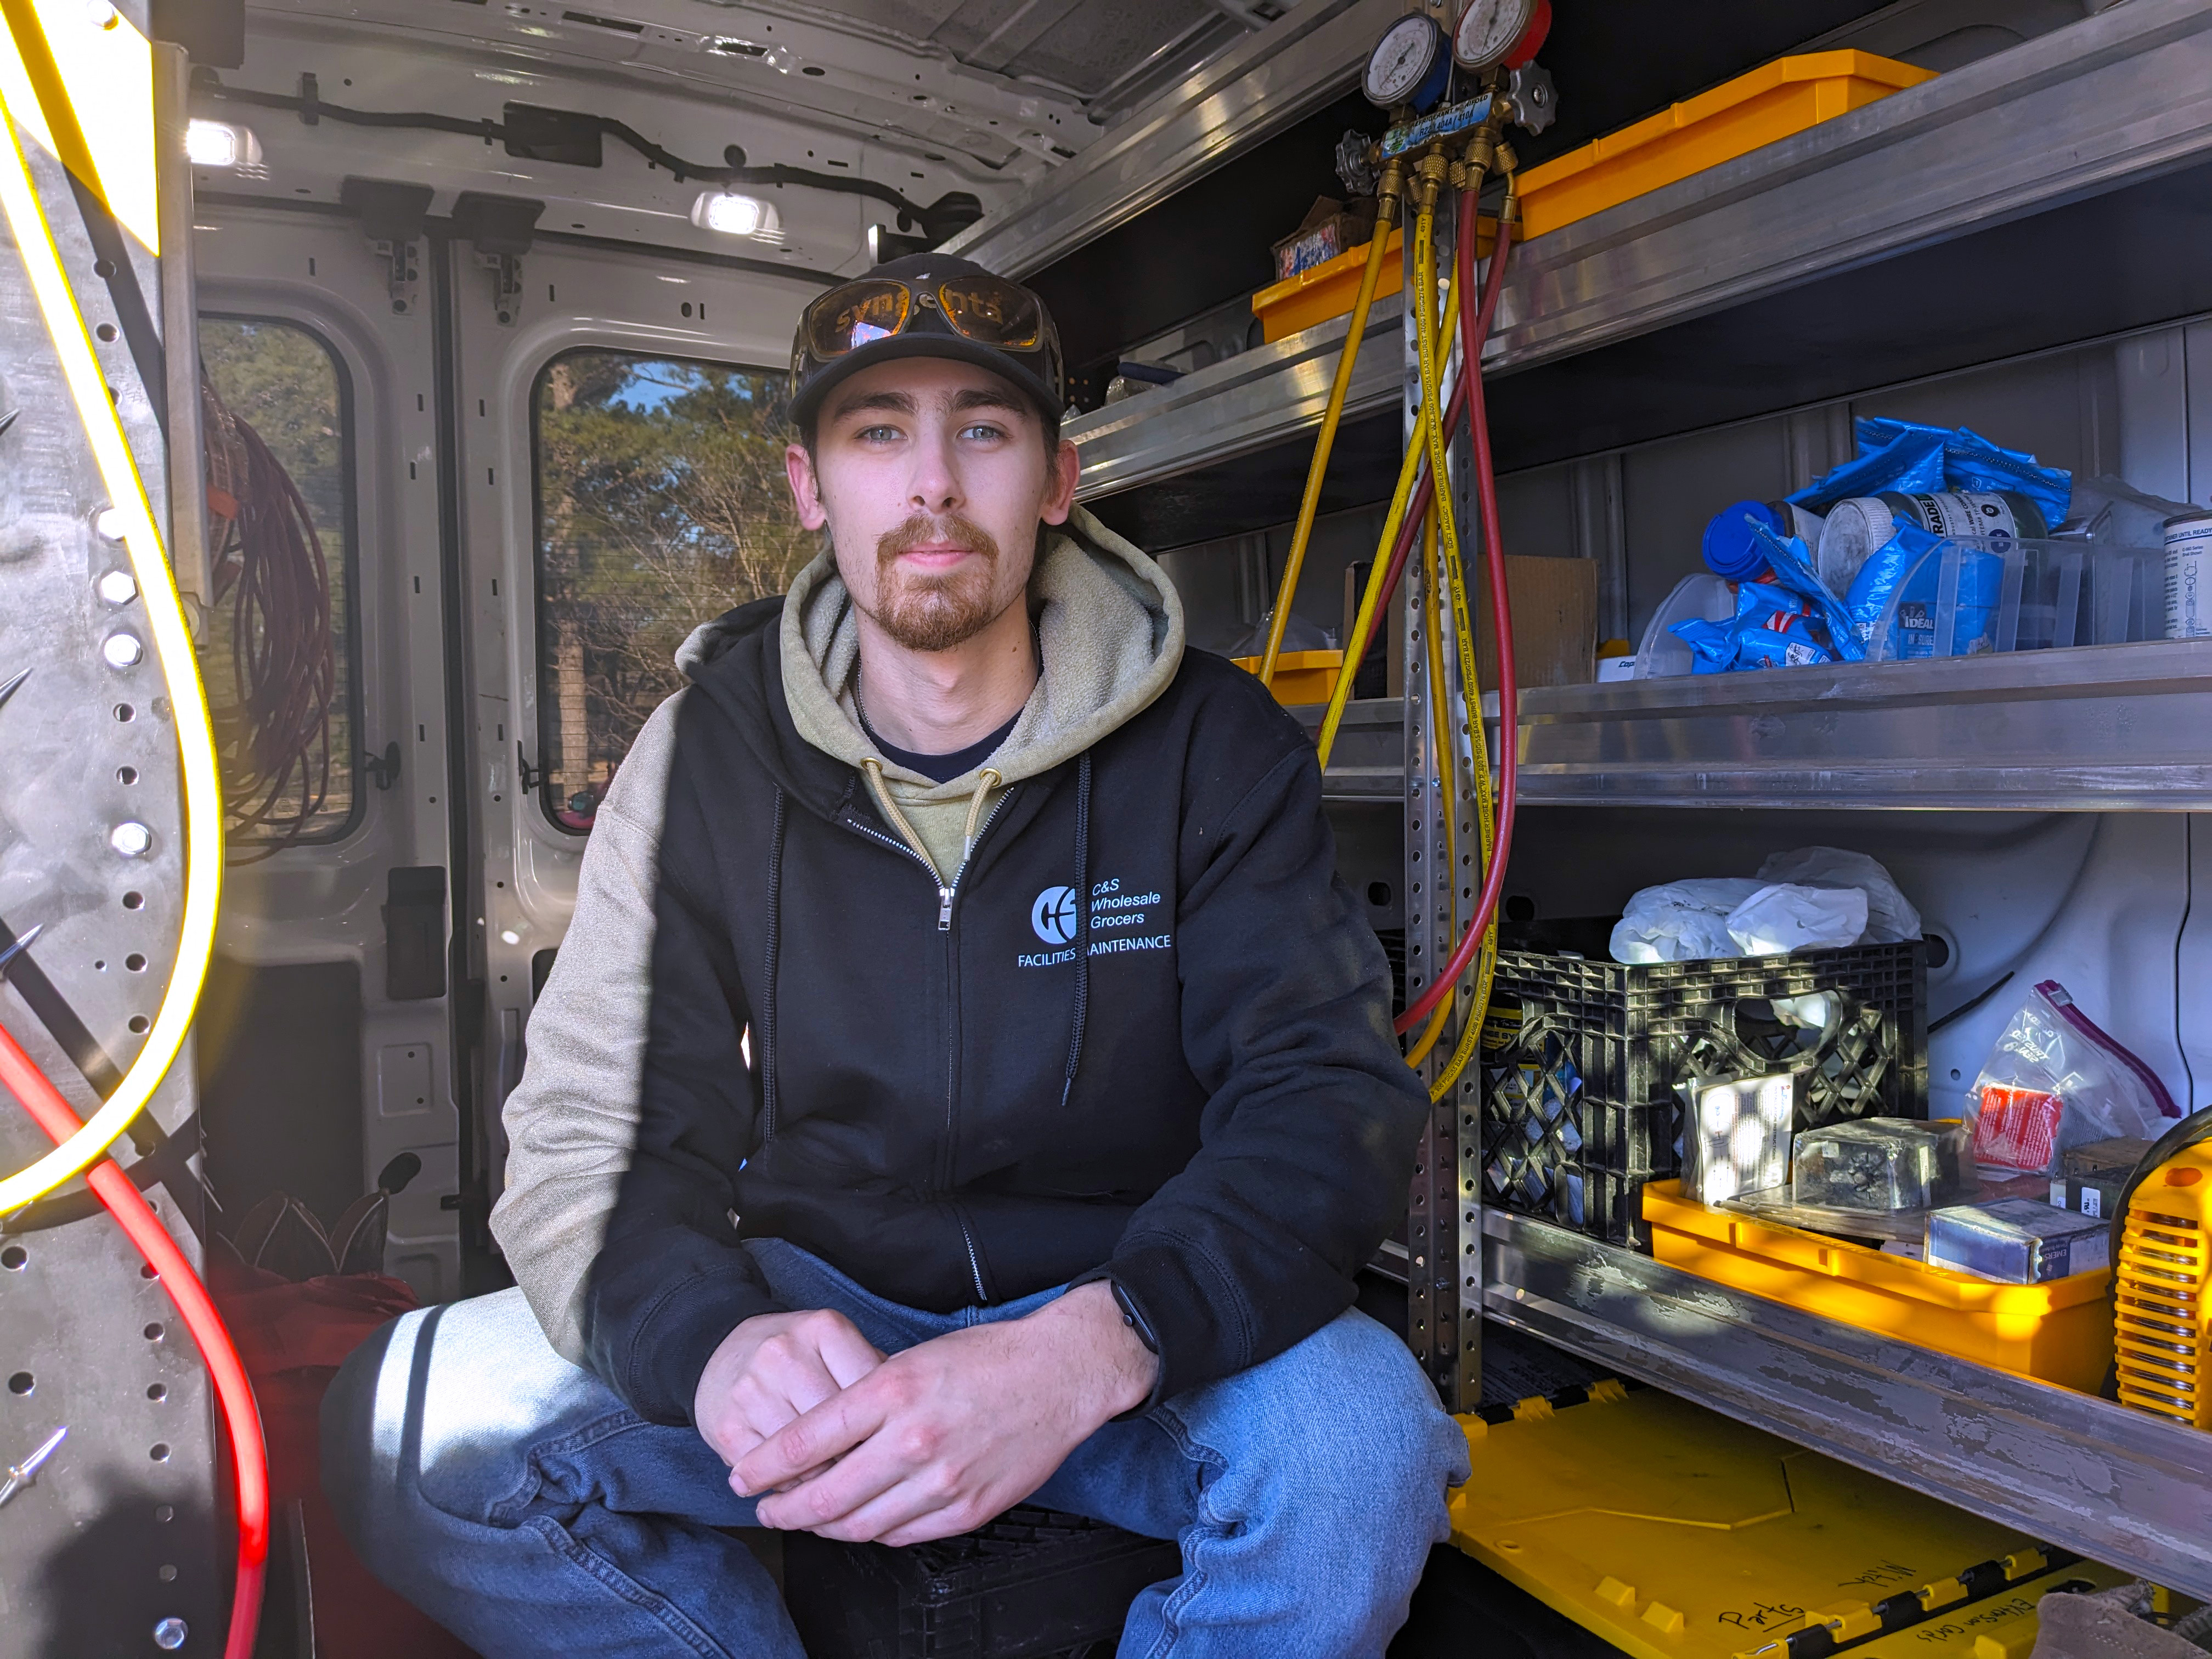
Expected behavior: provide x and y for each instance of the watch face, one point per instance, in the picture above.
(1488, 29)
(1401, 60)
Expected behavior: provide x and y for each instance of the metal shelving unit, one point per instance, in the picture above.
(1245, 403)
(1931, 228)
(2101, 728)
(2037, 198)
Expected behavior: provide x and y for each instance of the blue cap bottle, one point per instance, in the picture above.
(1731, 548)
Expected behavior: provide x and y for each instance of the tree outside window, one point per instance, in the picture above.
(661, 503)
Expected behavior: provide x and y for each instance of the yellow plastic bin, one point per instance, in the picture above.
(1301, 677)
(1329, 288)
(1771, 103)
(2060, 1332)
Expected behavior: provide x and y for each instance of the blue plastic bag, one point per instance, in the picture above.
(1905, 461)
(1772, 628)
(1792, 564)
(1972, 462)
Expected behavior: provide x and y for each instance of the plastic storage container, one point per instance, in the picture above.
(1972, 595)
(1580, 1058)
(1705, 597)
(1301, 677)
(1032, 1585)
(2059, 1332)
(1328, 290)
(1735, 118)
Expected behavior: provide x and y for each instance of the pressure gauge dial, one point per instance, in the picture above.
(1410, 64)
(1494, 32)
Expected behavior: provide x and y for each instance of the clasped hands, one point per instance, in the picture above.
(928, 1442)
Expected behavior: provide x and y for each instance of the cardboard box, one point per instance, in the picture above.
(1555, 620)
(1331, 227)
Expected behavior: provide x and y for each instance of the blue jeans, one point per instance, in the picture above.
(517, 1501)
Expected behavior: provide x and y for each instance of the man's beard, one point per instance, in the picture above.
(936, 612)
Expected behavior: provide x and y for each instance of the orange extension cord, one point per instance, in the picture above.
(22, 1078)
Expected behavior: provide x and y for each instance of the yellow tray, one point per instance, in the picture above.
(1301, 677)
(1675, 1532)
(2060, 1332)
(1770, 103)
(1329, 288)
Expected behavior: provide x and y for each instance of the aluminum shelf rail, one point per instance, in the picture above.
(1244, 403)
(2099, 728)
(2118, 1487)
(1261, 86)
(2113, 99)
(1369, 760)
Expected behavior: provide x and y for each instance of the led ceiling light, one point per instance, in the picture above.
(219, 144)
(728, 213)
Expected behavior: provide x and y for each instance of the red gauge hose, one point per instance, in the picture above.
(1474, 328)
(250, 1456)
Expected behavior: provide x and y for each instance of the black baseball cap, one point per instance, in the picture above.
(926, 305)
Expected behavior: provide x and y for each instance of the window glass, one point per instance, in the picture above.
(277, 647)
(661, 502)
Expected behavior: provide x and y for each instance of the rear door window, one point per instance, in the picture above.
(661, 502)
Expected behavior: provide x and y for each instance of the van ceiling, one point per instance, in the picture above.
(1109, 57)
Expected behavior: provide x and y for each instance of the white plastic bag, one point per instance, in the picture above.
(1890, 917)
(1779, 918)
(1680, 921)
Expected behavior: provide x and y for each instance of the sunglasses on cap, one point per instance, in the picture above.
(989, 310)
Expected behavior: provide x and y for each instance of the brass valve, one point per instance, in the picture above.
(1430, 173)
(1481, 158)
(1388, 190)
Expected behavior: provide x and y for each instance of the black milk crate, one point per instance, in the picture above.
(1032, 1585)
(1580, 1058)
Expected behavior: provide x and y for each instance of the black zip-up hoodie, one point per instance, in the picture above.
(1140, 1031)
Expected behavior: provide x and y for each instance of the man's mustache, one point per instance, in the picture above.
(944, 529)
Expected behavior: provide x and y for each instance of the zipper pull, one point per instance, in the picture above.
(945, 910)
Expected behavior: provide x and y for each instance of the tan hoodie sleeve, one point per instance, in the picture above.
(571, 1121)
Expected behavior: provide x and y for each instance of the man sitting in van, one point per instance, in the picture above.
(964, 1081)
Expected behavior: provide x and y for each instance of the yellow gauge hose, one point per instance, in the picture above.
(172, 646)
(1309, 503)
(1454, 586)
(1445, 876)
(1364, 625)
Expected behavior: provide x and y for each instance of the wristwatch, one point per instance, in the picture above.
(1135, 1321)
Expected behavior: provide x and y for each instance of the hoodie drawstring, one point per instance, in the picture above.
(1082, 925)
(767, 1034)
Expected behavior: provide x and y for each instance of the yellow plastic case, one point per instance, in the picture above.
(1674, 1532)
(2060, 1332)
(1301, 677)
(1771, 103)
(1327, 290)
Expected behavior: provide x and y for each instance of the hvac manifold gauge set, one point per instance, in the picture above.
(1435, 84)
